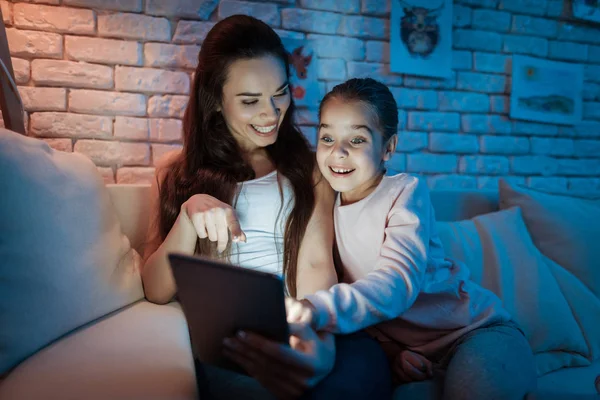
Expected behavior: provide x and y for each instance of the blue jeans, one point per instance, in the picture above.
(493, 362)
(361, 371)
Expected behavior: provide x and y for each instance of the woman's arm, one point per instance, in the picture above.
(393, 285)
(316, 270)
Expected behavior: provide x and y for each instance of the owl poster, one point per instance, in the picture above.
(304, 85)
(421, 37)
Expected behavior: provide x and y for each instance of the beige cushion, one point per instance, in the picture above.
(65, 261)
(142, 352)
(502, 258)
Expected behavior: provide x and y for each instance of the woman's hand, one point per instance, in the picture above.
(287, 372)
(411, 367)
(213, 219)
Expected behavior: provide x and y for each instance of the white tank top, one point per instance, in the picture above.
(258, 206)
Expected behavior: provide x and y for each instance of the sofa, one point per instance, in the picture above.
(74, 323)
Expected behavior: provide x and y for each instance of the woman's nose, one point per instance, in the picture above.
(271, 111)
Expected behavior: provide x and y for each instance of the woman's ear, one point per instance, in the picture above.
(390, 147)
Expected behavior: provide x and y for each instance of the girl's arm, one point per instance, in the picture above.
(316, 270)
(393, 285)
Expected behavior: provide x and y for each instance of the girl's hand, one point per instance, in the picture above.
(213, 219)
(287, 372)
(410, 367)
(301, 311)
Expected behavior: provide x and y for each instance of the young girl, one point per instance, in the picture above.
(395, 279)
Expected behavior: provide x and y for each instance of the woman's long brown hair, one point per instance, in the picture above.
(211, 161)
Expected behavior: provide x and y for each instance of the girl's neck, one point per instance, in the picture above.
(359, 193)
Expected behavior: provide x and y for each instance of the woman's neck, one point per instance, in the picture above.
(260, 161)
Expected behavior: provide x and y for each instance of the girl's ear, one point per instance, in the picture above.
(390, 147)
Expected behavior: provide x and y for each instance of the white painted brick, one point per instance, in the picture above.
(290, 34)
(453, 143)
(192, 31)
(591, 91)
(491, 182)
(402, 120)
(151, 80)
(491, 20)
(592, 73)
(555, 8)
(53, 124)
(587, 129)
(489, 62)
(31, 44)
(428, 163)
(159, 150)
(167, 106)
(364, 27)
(107, 174)
(464, 102)
(310, 133)
(266, 12)
(307, 116)
(534, 165)
(65, 145)
(504, 145)
(71, 74)
(114, 5)
(578, 33)
(581, 167)
(486, 124)
(433, 121)
(479, 82)
(594, 54)
(131, 128)
(201, 9)
(499, 104)
(171, 55)
(134, 26)
(106, 103)
(533, 129)
(430, 83)
(341, 6)
(6, 8)
(534, 7)
(107, 153)
(103, 51)
(396, 164)
(586, 148)
(381, 72)
(43, 99)
(479, 3)
(453, 181)
(584, 185)
(338, 47)
(331, 68)
(591, 110)
(310, 21)
(376, 7)
(461, 16)
(484, 165)
(552, 184)
(552, 146)
(378, 51)
(568, 51)
(21, 69)
(415, 98)
(331, 84)
(412, 141)
(462, 59)
(53, 19)
(135, 175)
(477, 40)
(527, 25)
(519, 44)
(165, 130)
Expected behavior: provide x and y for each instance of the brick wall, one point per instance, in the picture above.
(110, 79)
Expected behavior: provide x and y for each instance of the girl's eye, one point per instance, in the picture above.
(357, 140)
(326, 139)
(249, 102)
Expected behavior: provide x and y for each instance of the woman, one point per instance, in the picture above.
(247, 173)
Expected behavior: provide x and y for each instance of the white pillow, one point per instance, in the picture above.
(64, 260)
(502, 258)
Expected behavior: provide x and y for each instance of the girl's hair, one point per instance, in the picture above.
(212, 162)
(375, 95)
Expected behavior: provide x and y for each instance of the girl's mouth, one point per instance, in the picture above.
(340, 172)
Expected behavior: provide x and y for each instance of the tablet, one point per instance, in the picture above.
(219, 299)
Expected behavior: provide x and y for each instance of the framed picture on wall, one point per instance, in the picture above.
(304, 85)
(546, 91)
(421, 37)
(587, 9)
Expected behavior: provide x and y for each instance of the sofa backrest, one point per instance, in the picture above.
(131, 202)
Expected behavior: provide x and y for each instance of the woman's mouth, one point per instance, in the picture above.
(264, 130)
(341, 172)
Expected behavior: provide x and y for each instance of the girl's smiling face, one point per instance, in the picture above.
(350, 151)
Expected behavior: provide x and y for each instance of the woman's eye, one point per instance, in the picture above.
(357, 141)
(285, 92)
(249, 102)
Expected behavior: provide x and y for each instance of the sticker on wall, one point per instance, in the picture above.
(421, 37)
(303, 72)
(587, 9)
(546, 91)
